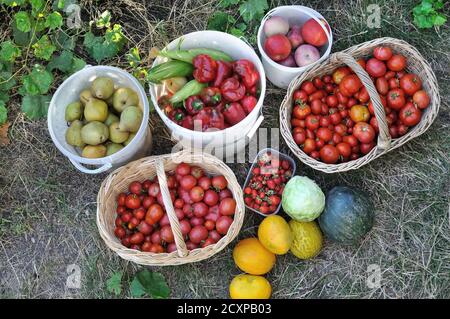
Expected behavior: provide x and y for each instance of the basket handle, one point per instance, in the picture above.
(384, 138)
(173, 219)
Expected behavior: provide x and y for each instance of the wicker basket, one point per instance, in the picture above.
(415, 63)
(148, 167)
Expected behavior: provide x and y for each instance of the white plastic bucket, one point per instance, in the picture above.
(281, 75)
(69, 92)
(232, 138)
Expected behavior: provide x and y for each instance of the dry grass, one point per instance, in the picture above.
(48, 208)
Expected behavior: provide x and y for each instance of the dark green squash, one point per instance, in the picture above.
(348, 216)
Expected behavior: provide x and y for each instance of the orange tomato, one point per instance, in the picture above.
(359, 113)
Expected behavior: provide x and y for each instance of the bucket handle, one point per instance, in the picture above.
(85, 170)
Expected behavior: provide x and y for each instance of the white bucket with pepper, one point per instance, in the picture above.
(69, 92)
(277, 73)
(230, 140)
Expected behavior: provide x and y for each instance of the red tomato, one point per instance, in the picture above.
(277, 47)
(341, 129)
(402, 129)
(375, 67)
(410, 115)
(350, 84)
(382, 85)
(300, 96)
(167, 234)
(335, 116)
(219, 182)
(363, 132)
(315, 155)
(351, 140)
(374, 123)
(145, 228)
(139, 213)
(327, 78)
(332, 101)
(223, 224)
(183, 169)
(344, 149)
(153, 190)
(312, 122)
(132, 201)
(324, 134)
(365, 148)
(316, 107)
(204, 182)
(197, 172)
(382, 53)
(396, 99)
(196, 194)
(301, 111)
(227, 207)
(171, 181)
(319, 143)
(396, 63)
(136, 238)
(318, 83)
(210, 225)
(185, 227)
(362, 63)
(410, 83)
(308, 87)
(363, 96)
(329, 154)
(314, 33)
(154, 214)
(211, 198)
(393, 83)
(187, 182)
(120, 232)
(135, 188)
(336, 139)
(421, 99)
(309, 145)
(325, 121)
(340, 73)
(200, 209)
(198, 234)
(121, 199)
(299, 137)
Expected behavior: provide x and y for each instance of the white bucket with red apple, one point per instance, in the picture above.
(291, 39)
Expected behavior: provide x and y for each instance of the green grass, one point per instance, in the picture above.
(47, 216)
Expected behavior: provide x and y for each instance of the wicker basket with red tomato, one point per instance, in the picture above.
(359, 104)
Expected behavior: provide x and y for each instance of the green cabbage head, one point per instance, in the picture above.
(302, 199)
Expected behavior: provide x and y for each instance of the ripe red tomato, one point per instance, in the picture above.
(171, 181)
(197, 172)
(309, 145)
(410, 115)
(374, 123)
(196, 194)
(324, 134)
(344, 149)
(402, 129)
(135, 188)
(325, 121)
(219, 182)
(204, 182)
(410, 83)
(350, 84)
(332, 101)
(223, 224)
(167, 234)
(316, 107)
(211, 198)
(308, 87)
(301, 111)
(154, 214)
(183, 169)
(421, 99)
(185, 227)
(145, 228)
(120, 232)
(382, 85)
(153, 190)
(335, 116)
(121, 199)
(200, 209)
(277, 47)
(340, 73)
(365, 148)
(299, 137)
(396, 63)
(318, 83)
(375, 67)
(210, 225)
(336, 139)
(396, 99)
(227, 207)
(312, 122)
(363, 132)
(132, 201)
(300, 96)
(351, 140)
(314, 33)
(136, 238)
(329, 154)
(139, 213)
(359, 113)
(382, 53)
(363, 96)
(187, 182)
(319, 143)
(148, 201)
(315, 155)
(362, 63)
(198, 234)
(341, 129)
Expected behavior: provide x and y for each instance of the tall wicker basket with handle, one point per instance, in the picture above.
(415, 64)
(149, 167)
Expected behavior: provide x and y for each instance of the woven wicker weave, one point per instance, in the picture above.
(415, 64)
(148, 167)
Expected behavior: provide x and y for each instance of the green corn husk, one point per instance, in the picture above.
(191, 88)
(189, 55)
(169, 70)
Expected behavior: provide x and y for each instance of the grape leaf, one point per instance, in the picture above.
(7, 81)
(22, 38)
(37, 82)
(133, 57)
(13, 3)
(9, 52)
(253, 9)
(66, 62)
(3, 112)
(36, 106)
(44, 48)
(101, 48)
(63, 41)
(4, 97)
(136, 289)
(154, 284)
(104, 21)
(54, 20)
(77, 65)
(228, 3)
(114, 284)
(37, 6)
(4, 140)
(220, 21)
(23, 21)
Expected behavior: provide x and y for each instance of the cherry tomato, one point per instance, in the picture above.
(410, 83)
(396, 99)
(359, 113)
(363, 132)
(382, 53)
(329, 154)
(410, 115)
(396, 63)
(196, 194)
(132, 201)
(421, 99)
(135, 188)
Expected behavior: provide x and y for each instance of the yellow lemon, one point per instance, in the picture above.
(245, 286)
(274, 234)
(251, 257)
(307, 239)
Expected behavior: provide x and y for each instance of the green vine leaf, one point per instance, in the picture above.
(36, 106)
(44, 48)
(4, 97)
(7, 81)
(54, 20)
(9, 52)
(13, 3)
(114, 284)
(66, 62)
(133, 57)
(253, 9)
(101, 48)
(154, 284)
(3, 113)
(23, 21)
(37, 82)
(104, 21)
(37, 7)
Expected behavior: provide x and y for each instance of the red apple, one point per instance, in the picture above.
(289, 61)
(277, 47)
(313, 33)
(295, 36)
(306, 54)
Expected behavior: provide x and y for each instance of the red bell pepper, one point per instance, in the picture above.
(224, 70)
(253, 90)
(247, 72)
(202, 119)
(211, 95)
(188, 122)
(193, 104)
(232, 90)
(248, 102)
(177, 115)
(217, 120)
(205, 68)
(234, 113)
